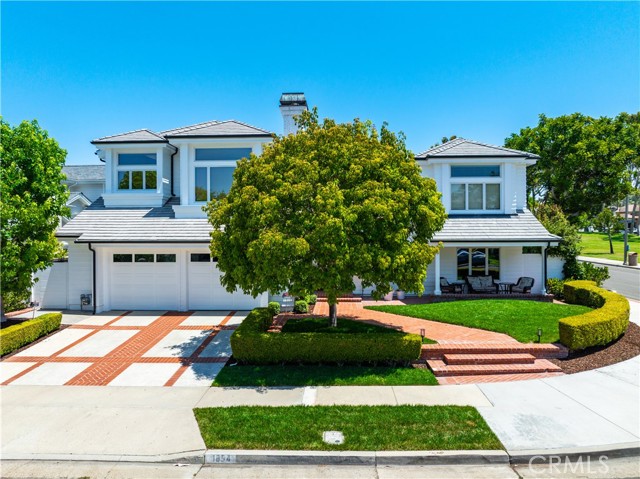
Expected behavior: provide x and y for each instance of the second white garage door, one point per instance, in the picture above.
(204, 290)
(145, 281)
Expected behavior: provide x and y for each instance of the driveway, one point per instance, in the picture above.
(131, 348)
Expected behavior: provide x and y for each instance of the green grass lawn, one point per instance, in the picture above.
(596, 245)
(322, 375)
(520, 319)
(365, 428)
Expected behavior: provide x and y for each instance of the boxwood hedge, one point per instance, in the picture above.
(18, 335)
(607, 322)
(252, 344)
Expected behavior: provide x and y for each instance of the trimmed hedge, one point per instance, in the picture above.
(274, 308)
(606, 323)
(252, 344)
(19, 335)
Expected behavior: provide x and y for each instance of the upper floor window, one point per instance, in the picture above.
(137, 171)
(480, 192)
(214, 171)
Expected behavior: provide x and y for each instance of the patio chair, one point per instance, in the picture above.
(523, 285)
(447, 287)
(482, 284)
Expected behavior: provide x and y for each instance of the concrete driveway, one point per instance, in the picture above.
(130, 348)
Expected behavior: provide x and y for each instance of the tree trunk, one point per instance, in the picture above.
(3, 318)
(333, 315)
(610, 242)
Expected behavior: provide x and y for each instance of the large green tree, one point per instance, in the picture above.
(31, 202)
(585, 163)
(317, 208)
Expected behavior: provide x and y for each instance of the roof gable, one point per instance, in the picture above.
(462, 148)
(137, 136)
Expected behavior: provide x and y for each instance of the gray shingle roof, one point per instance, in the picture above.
(216, 128)
(137, 136)
(98, 224)
(489, 228)
(461, 148)
(84, 172)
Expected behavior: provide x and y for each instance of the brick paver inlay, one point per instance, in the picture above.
(129, 350)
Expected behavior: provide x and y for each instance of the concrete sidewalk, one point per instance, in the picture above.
(591, 409)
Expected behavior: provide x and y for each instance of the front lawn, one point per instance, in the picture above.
(596, 245)
(520, 319)
(322, 375)
(365, 428)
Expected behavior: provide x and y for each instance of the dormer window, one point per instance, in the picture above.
(214, 171)
(475, 187)
(137, 171)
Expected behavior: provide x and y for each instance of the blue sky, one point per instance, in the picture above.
(477, 70)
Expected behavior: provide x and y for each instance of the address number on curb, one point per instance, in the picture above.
(223, 459)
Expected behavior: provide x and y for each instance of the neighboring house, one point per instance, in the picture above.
(144, 244)
(86, 185)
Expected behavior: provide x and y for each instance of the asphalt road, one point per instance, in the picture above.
(625, 281)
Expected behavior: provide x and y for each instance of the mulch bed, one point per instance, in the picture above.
(627, 347)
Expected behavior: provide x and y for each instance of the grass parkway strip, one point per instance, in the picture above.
(365, 428)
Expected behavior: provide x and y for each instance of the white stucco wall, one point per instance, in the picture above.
(80, 273)
(51, 288)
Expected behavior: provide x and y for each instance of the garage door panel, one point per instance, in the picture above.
(206, 292)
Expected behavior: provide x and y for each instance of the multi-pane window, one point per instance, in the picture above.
(214, 171)
(137, 171)
(144, 258)
(481, 191)
(478, 262)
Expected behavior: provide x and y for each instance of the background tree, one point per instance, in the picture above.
(317, 208)
(555, 221)
(444, 140)
(33, 198)
(584, 162)
(608, 222)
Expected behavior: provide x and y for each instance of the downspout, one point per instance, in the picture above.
(93, 275)
(546, 253)
(171, 161)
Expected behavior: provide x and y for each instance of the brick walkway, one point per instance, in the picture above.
(480, 356)
(130, 349)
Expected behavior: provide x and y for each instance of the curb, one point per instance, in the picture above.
(545, 456)
(587, 259)
(186, 457)
(355, 458)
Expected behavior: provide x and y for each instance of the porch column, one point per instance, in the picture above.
(437, 291)
(544, 270)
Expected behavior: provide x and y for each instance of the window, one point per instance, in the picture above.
(200, 257)
(144, 258)
(137, 171)
(122, 258)
(222, 154)
(531, 250)
(214, 171)
(476, 194)
(478, 262)
(212, 182)
(166, 258)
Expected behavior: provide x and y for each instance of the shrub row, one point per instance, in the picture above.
(252, 344)
(604, 324)
(19, 335)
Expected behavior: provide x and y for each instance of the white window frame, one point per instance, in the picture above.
(131, 168)
(476, 180)
(486, 259)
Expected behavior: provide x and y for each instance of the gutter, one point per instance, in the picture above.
(171, 161)
(93, 276)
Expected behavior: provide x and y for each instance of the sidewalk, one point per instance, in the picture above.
(591, 409)
(608, 262)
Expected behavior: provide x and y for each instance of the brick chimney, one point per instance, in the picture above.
(291, 104)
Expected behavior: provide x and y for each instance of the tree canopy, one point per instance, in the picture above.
(585, 164)
(33, 198)
(317, 208)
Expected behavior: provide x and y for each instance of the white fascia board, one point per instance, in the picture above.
(152, 145)
(196, 247)
(222, 142)
(470, 160)
(494, 244)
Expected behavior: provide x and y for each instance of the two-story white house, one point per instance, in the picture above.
(144, 244)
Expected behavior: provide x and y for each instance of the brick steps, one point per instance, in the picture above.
(440, 368)
(540, 351)
(470, 359)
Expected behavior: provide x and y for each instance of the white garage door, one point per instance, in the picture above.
(206, 292)
(145, 281)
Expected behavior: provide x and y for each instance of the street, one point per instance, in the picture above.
(624, 280)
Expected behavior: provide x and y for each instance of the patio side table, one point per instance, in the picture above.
(505, 287)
